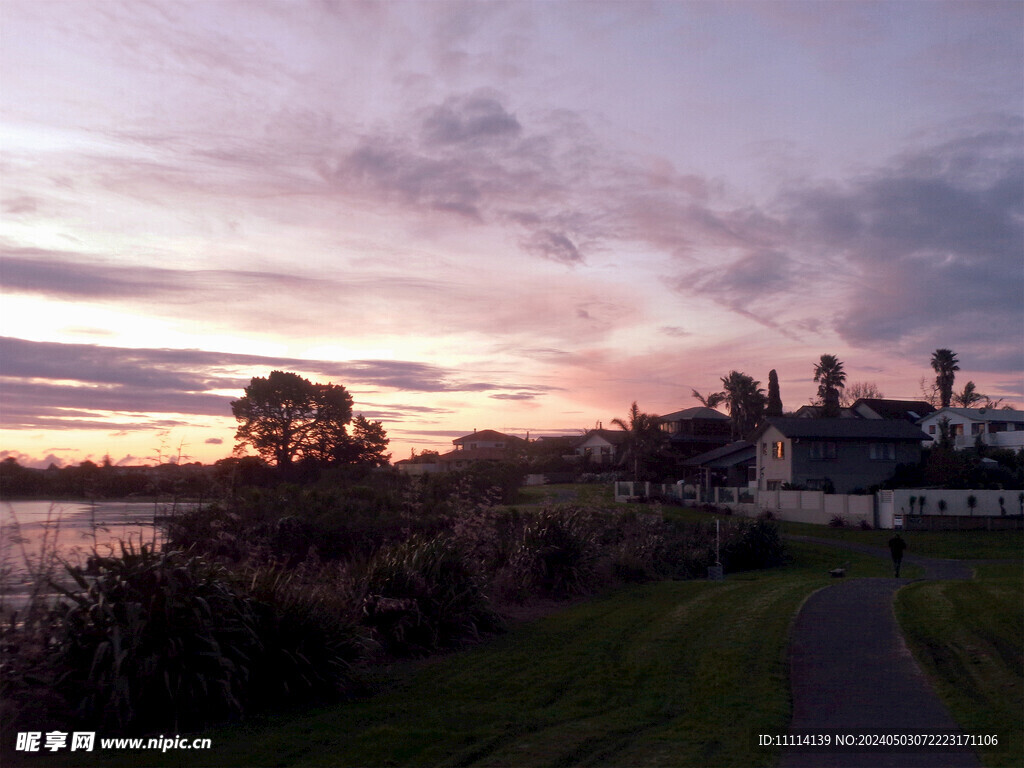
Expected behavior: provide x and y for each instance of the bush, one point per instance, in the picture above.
(156, 641)
(423, 594)
(837, 521)
(558, 553)
(172, 641)
(753, 546)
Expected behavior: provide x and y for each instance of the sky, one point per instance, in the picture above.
(519, 216)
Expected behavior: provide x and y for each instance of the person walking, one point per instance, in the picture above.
(896, 548)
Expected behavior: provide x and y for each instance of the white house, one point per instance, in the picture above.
(602, 446)
(997, 428)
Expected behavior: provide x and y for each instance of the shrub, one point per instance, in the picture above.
(423, 594)
(752, 546)
(156, 640)
(558, 553)
(865, 525)
(837, 521)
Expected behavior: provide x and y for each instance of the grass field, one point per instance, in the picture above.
(969, 638)
(673, 673)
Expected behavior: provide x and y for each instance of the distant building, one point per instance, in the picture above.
(996, 427)
(602, 446)
(695, 430)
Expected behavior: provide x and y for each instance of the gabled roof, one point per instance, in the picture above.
(613, 436)
(843, 429)
(487, 436)
(474, 454)
(896, 409)
(980, 414)
(697, 412)
(726, 456)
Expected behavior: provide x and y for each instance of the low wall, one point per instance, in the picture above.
(986, 502)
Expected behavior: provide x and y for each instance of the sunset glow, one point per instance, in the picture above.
(495, 215)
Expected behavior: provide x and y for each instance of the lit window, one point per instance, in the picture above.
(931, 429)
(778, 450)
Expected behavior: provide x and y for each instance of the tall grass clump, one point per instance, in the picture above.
(424, 594)
(557, 554)
(173, 640)
(156, 640)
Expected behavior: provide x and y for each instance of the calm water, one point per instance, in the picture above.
(30, 531)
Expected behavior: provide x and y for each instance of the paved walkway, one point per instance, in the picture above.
(851, 672)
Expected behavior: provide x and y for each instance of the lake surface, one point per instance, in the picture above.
(34, 533)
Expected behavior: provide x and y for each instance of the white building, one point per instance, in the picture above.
(997, 428)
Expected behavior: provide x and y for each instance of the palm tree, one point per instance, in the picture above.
(711, 400)
(945, 365)
(644, 439)
(970, 396)
(831, 377)
(745, 400)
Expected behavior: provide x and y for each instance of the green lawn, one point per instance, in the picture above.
(969, 637)
(673, 673)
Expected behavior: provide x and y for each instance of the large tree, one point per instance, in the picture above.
(945, 365)
(830, 377)
(644, 437)
(745, 400)
(774, 405)
(867, 390)
(286, 418)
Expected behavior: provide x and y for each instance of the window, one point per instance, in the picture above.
(774, 485)
(956, 429)
(976, 428)
(823, 451)
(764, 449)
(882, 451)
(931, 429)
(779, 450)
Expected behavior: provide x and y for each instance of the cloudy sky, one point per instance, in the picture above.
(508, 215)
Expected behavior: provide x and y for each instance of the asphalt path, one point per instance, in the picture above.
(851, 674)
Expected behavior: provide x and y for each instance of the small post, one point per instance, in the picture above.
(715, 572)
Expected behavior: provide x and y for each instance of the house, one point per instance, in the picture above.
(733, 466)
(692, 431)
(839, 455)
(486, 445)
(881, 408)
(602, 446)
(817, 412)
(996, 427)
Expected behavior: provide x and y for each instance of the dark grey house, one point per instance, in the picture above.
(840, 455)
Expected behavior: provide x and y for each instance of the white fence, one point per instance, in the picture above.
(821, 508)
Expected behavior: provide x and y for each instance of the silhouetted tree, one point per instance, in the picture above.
(774, 405)
(711, 400)
(969, 397)
(644, 440)
(860, 390)
(745, 400)
(369, 443)
(830, 377)
(285, 417)
(945, 365)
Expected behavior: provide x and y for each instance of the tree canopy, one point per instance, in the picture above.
(830, 377)
(945, 364)
(746, 402)
(286, 418)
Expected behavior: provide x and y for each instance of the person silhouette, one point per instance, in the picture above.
(896, 547)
